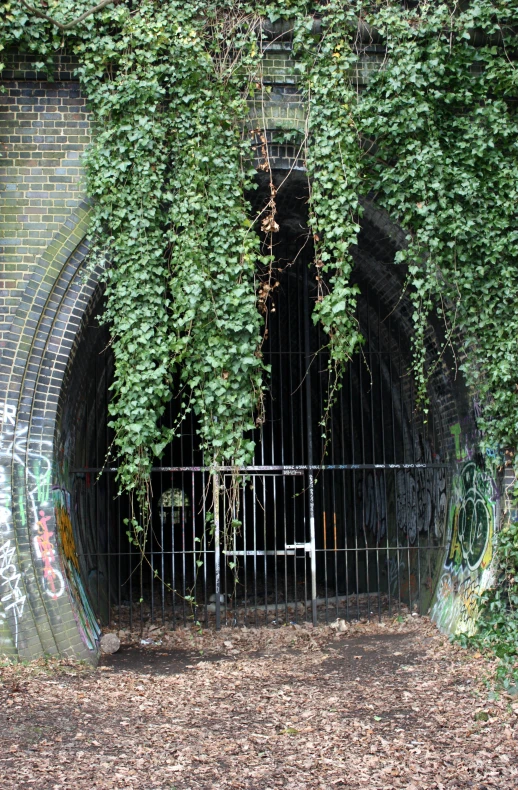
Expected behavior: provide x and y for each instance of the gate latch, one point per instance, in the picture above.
(305, 546)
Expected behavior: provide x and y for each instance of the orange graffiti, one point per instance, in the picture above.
(66, 535)
(46, 550)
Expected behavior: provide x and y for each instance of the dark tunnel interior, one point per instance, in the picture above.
(354, 520)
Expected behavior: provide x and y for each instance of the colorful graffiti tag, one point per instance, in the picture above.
(29, 460)
(473, 522)
(34, 464)
(467, 569)
(416, 498)
(83, 613)
(53, 581)
(421, 502)
(64, 524)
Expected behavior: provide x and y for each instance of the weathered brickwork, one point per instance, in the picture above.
(44, 129)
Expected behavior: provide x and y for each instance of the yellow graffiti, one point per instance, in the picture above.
(66, 535)
(488, 554)
(455, 553)
(470, 599)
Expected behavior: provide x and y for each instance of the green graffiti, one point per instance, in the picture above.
(42, 475)
(472, 519)
(456, 431)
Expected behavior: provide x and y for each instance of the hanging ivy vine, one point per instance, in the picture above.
(442, 123)
(170, 216)
(432, 138)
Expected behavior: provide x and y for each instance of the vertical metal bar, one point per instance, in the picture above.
(407, 474)
(296, 402)
(344, 476)
(377, 493)
(119, 572)
(205, 558)
(245, 556)
(265, 545)
(354, 493)
(364, 487)
(383, 449)
(152, 564)
(187, 427)
(106, 489)
(215, 483)
(299, 446)
(194, 542)
(396, 472)
(173, 549)
(184, 558)
(309, 441)
(141, 589)
(284, 410)
(263, 512)
(224, 519)
(162, 553)
(276, 368)
(322, 477)
(413, 418)
(96, 485)
(130, 560)
(324, 540)
(274, 558)
(254, 523)
(235, 568)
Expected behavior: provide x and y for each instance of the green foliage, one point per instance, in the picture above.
(170, 216)
(333, 162)
(498, 624)
(167, 84)
(442, 138)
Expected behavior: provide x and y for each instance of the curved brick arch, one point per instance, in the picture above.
(44, 607)
(38, 612)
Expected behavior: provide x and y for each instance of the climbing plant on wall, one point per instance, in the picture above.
(432, 138)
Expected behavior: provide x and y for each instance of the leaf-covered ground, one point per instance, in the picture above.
(389, 705)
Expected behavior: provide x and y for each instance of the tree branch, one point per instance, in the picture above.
(67, 25)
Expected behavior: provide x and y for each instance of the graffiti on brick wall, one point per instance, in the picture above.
(12, 597)
(86, 621)
(11, 593)
(64, 525)
(421, 502)
(417, 505)
(30, 464)
(467, 570)
(53, 581)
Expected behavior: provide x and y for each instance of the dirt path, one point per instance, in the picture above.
(378, 707)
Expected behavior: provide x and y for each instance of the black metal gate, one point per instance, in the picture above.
(311, 531)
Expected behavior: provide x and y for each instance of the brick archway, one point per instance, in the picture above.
(44, 608)
(39, 611)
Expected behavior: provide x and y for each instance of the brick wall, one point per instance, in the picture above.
(44, 129)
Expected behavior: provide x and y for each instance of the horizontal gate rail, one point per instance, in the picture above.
(273, 468)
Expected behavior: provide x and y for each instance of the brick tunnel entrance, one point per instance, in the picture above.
(351, 528)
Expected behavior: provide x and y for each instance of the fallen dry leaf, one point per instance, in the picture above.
(261, 709)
